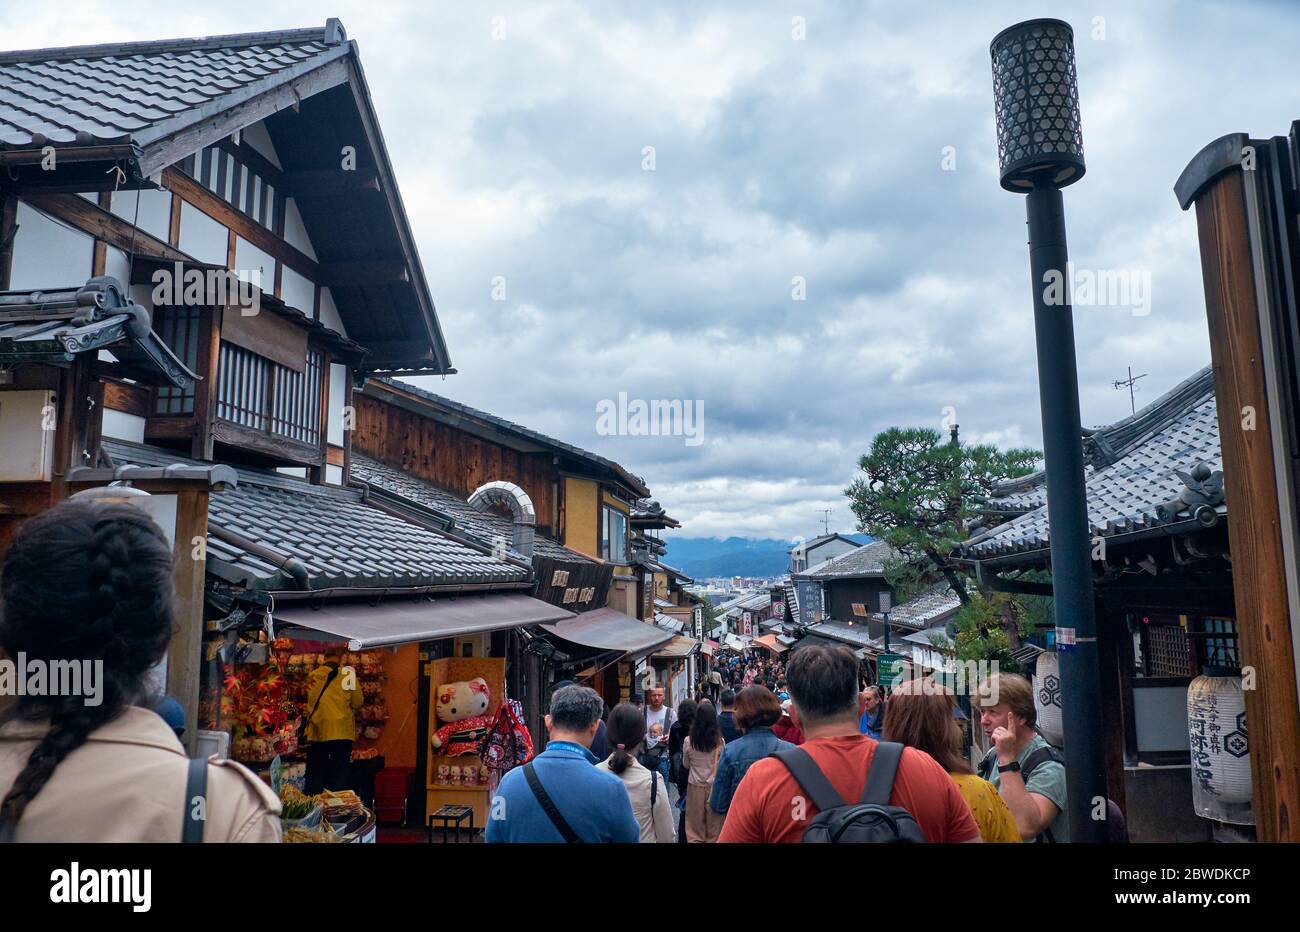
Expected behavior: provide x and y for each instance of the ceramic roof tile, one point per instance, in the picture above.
(1138, 469)
(484, 526)
(339, 538)
(112, 93)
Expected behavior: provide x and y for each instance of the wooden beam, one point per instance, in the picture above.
(333, 274)
(8, 229)
(1259, 572)
(254, 160)
(238, 222)
(127, 398)
(184, 652)
(89, 218)
(226, 120)
(205, 392)
(174, 221)
(330, 182)
(290, 452)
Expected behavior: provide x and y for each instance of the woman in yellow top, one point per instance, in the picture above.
(921, 715)
(333, 695)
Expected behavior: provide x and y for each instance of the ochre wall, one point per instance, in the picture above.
(580, 514)
(401, 695)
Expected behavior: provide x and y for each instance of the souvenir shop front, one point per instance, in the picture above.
(604, 649)
(443, 713)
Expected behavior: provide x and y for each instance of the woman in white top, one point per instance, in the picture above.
(647, 792)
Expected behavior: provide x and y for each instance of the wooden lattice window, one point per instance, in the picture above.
(295, 404)
(241, 397)
(256, 393)
(178, 327)
(1168, 652)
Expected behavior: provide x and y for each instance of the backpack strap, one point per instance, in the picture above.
(548, 806)
(880, 775)
(654, 787)
(196, 786)
(1039, 756)
(810, 777)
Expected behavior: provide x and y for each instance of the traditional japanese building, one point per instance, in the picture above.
(1163, 582)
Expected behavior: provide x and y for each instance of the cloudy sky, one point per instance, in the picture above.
(519, 133)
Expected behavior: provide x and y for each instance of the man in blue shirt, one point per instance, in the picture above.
(587, 804)
(872, 723)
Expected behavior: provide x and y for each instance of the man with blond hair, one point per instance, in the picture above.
(1027, 771)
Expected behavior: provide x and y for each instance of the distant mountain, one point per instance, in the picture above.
(702, 557)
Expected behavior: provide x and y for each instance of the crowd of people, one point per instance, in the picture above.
(765, 750)
(767, 747)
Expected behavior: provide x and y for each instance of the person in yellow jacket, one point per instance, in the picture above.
(333, 696)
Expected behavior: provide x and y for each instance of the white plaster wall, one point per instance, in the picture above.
(202, 237)
(155, 210)
(297, 291)
(48, 254)
(123, 426)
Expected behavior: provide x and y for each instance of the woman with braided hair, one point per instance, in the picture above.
(91, 584)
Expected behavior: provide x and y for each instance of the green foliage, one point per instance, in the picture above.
(918, 489)
(983, 628)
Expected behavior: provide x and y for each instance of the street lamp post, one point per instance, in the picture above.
(1040, 151)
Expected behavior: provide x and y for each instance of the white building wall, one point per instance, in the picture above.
(338, 393)
(329, 314)
(297, 291)
(48, 254)
(202, 237)
(155, 210)
(123, 426)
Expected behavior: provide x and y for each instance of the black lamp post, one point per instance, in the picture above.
(1040, 151)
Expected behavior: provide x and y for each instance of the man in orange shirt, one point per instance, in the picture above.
(770, 806)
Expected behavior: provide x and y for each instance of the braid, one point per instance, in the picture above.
(67, 733)
(82, 581)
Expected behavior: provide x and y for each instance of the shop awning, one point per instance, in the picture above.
(388, 623)
(769, 641)
(678, 648)
(608, 629)
(706, 648)
(734, 642)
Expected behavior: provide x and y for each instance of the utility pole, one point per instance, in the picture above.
(1129, 382)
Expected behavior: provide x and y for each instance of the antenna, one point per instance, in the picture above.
(1130, 383)
(826, 521)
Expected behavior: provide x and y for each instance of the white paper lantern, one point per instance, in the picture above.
(1216, 724)
(1047, 697)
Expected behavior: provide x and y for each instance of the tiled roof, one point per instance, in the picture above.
(455, 407)
(145, 106)
(142, 92)
(856, 635)
(748, 603)
(1139, 473)
(867, 560)
(925, 609)
(485, 526)
(648, 511)
(818, 541)
(337, 537)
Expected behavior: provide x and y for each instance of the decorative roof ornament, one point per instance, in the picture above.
(1201, 494)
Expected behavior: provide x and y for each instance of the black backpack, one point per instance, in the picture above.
(871, 821)
(1116, 824)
